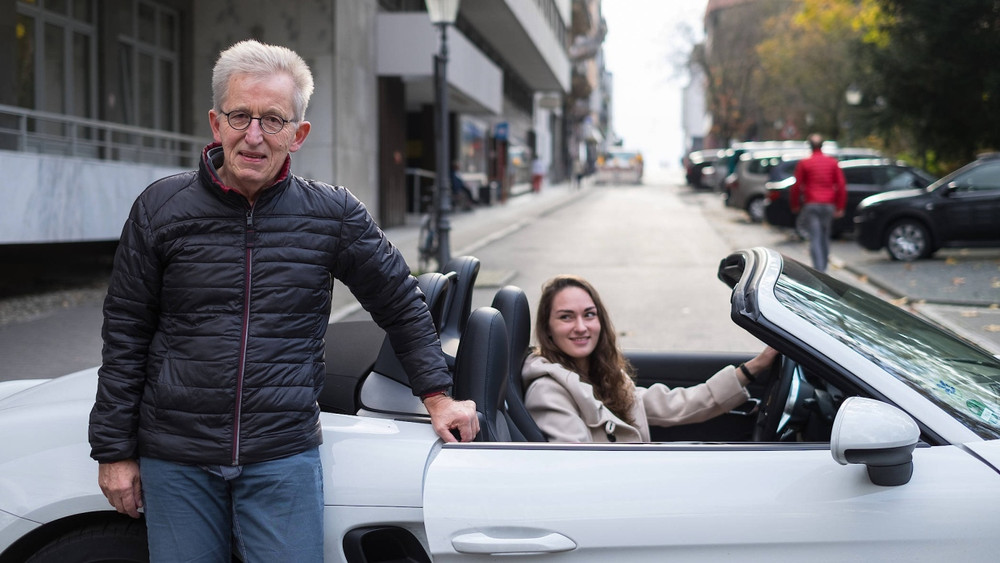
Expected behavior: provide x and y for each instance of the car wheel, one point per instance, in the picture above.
(756, 208)
(119, 540)
(908, 240)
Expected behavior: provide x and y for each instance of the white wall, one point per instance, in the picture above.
(62, 199)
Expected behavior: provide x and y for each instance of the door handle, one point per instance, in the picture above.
(480, 543)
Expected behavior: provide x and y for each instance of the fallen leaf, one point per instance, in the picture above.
(970, 314)
(864, 279)
(900, 302)
(951, 261)
(992, 328)
(957, 281)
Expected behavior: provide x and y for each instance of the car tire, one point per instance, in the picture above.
(118, 540)
(908, 240)
(755, 208)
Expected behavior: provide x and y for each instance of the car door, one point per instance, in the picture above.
(970, 205)
(701, 502)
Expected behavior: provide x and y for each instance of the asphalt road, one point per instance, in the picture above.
(651, 250)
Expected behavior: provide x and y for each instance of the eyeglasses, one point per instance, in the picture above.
(269, 122)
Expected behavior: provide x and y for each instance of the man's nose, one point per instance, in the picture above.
(253, 133)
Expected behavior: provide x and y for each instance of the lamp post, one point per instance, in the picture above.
(442, 14)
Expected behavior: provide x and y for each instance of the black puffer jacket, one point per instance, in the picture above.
(217, 310)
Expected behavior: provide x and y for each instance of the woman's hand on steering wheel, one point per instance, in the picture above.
(760, 363)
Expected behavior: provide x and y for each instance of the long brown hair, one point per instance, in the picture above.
(608, 371)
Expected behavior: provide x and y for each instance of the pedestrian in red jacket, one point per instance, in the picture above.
(821, 192)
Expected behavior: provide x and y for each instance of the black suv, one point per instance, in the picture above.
(961, 209)
(865, 177)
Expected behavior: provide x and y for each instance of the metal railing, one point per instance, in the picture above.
(42, 132)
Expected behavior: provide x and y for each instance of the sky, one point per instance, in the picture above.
(646, 42)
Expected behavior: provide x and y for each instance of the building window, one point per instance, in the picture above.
(148, 62)
(56, 56)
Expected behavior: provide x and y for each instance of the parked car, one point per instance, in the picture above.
(962, 209)
(864, 177)
(746, 188)
(876, 435)
(700, 168)
(619, 166)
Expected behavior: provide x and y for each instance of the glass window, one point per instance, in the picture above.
(149, 62)
(900, 179)
(25, 40)
(959, 378)
(983, 177)
(54, 48)
(55, 56)
(859, 175)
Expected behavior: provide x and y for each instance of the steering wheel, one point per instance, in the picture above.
(779, 400)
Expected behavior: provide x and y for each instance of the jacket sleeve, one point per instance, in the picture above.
(795, 191)
(684, 405)
(131, 310)
(378, 276)
(840, 190)
(555, 411)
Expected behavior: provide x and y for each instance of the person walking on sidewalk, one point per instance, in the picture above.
(537, 174)
(206, 410)
(821, 193)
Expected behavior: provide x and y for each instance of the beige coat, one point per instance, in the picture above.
(565, 409)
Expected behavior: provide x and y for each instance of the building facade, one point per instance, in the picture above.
(101, 97)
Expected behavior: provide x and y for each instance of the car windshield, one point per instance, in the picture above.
(960, 378)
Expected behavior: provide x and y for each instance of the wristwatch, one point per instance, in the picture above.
(746, 371)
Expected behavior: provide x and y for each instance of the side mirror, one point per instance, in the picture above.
(878, 435)
(951, 188)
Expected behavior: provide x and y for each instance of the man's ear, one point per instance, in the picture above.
(301, 132)
(213, 121)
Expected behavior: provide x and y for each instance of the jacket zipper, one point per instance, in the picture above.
(243, 337)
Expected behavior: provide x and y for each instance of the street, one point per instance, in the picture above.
(651, 250)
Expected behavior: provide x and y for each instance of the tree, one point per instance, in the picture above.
(808, 63)
(731, 67)
(937, 78)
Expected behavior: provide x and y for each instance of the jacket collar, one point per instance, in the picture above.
(212, 157)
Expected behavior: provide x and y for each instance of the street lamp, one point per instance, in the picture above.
(442, 14)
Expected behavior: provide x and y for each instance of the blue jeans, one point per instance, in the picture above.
(818, 220)
(272, 510)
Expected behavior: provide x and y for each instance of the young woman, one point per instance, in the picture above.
(578, 383)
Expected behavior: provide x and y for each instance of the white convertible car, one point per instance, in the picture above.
(875, 437)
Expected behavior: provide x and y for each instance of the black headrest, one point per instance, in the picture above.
(436, 288)
(460, 304)
(481, 371)
(512, 303)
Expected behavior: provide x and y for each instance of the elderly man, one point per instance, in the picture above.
(206, 412)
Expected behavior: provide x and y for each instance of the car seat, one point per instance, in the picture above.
(481, 373)
(459, 306)
(512, 303)
(437, 289)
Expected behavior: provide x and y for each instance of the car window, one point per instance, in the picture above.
(859, 175)
(984, 177)
(960, 378)
(762, 165)
(898, 178)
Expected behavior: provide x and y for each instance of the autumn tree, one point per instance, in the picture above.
(808, 63)
(731, 66)
(937, 76)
